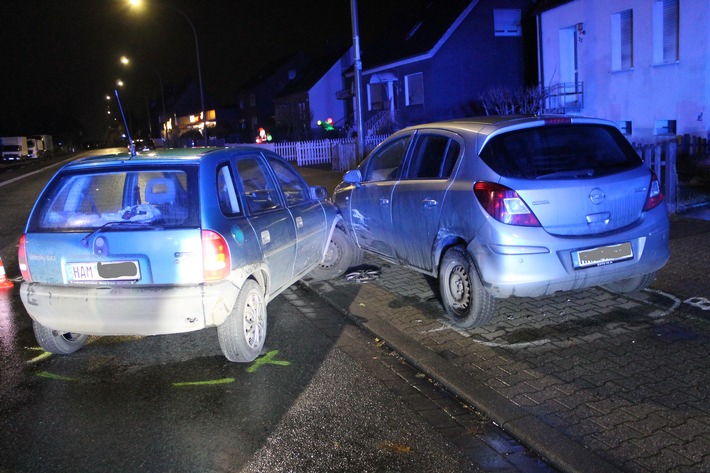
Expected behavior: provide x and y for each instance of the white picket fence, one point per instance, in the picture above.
(308, 153)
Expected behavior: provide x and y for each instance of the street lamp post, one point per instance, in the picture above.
(358, 81)
(199, 67)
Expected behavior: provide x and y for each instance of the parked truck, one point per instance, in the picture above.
(39, 146)
(14, 148)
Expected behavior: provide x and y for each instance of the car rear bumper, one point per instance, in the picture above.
(546, 266)
(129, 310)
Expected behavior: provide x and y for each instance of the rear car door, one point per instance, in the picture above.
(269, 217)
(371, 210)
(307, 213)
(418, 198)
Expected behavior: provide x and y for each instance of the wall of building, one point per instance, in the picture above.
(647, 92)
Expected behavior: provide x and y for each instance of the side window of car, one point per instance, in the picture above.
(226, 192)
(385, 164)
(433, 157)
(295, 190)
(259, 190)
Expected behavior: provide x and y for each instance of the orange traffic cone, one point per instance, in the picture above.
(4, 282)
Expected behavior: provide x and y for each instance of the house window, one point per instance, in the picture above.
(506, 22)
(665, 31)
(622, 41)
(665, 127)
(625, 127)
(414, 89)
(376, 94)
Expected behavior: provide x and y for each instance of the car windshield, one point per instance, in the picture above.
(88, 201)
(560, 152)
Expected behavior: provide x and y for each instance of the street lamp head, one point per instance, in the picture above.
(119, 83)
(124, 60)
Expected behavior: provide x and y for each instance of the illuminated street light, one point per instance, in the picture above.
(137, 3)
(119, 83)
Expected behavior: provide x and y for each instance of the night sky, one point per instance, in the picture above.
(60, 58)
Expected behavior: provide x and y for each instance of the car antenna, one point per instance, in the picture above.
(128, 132)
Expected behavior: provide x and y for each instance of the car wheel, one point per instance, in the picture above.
(466, 301)
(57, 341)
(242, 335)
(636, 283)
(342, 253)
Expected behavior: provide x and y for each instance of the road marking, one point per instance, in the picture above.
(463, 333)
(267, 359)
(657, 314)
(43, 356)
(204, 383)
(699, 302)
(47, 374)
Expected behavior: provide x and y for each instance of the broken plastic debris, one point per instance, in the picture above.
(363, 275)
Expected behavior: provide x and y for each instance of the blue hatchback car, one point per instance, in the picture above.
(172, 241)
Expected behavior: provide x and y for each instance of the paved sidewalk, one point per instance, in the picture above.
(591, 380)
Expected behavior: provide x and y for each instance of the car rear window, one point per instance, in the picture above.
(86, 201)
(560, 152)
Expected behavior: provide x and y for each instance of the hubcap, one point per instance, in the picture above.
(459, 288)
(254, 320)
(332, 255)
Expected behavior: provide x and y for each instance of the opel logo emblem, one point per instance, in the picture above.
(597, 196)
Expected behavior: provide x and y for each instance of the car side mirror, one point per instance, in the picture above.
(318, 193)
(353, 176)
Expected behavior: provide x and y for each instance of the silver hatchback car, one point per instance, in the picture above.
(509, 206)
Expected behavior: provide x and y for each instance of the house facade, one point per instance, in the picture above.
(255, 99)
(313, 97)
(438, 63)
(641, 63)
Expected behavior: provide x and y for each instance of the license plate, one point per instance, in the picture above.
(602, 255)
(97, 271)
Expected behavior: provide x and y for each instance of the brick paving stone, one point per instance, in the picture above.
(603, 365)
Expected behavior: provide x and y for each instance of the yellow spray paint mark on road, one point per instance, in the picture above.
(47, 374)
(267, 359)
(42, 356)
(204, 383)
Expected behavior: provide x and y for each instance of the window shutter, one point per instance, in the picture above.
(627, 33)
(670, 31)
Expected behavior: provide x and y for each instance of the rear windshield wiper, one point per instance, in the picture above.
(85, 240)
(573, 173)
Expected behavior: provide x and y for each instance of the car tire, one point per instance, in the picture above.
(466, 301)
(242, 335)
(57, 341)
(634, 284)
(342, 253)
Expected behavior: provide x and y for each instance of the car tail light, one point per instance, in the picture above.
(504, 204)
(22, 260)
(215, 256)
(655, 196)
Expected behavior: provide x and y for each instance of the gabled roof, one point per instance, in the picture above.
(272, 68)
(189, 100)
(419, 33)
(314, 72)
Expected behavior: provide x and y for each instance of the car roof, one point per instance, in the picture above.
(489, 124)
(481, 129)
(163, 156)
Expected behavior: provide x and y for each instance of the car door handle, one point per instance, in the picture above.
(428, 203)
(384, 201)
